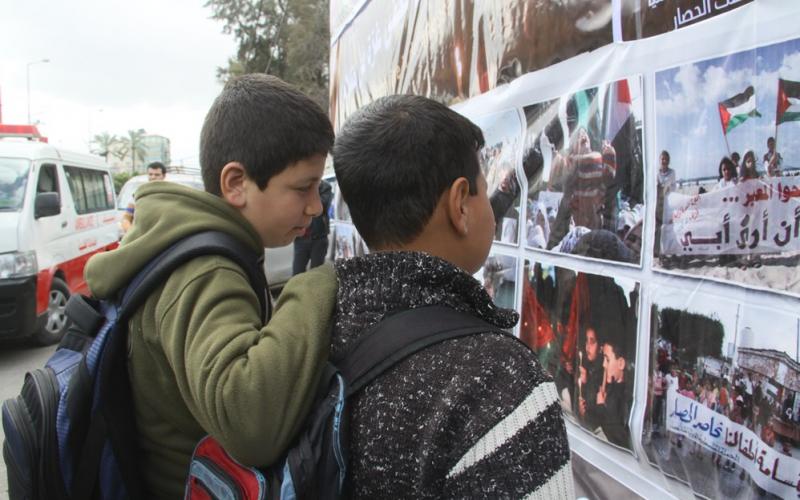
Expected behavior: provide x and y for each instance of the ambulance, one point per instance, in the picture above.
(57, 209)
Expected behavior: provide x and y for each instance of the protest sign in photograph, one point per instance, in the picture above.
(583, 328)
(724, 395)
(728, 191)
(583, 158)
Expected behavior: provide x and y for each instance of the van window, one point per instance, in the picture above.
(90, 189)
(48, 180)
(13, 179)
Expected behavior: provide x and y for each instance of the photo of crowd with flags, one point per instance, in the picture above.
(728, 168)
(583, 158)
(583, 327)
(499, 158)
(723, 406)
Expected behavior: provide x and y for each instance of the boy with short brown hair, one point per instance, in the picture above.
(201, 360)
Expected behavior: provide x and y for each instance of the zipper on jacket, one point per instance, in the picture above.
(215, 479)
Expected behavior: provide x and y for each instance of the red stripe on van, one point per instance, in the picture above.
(72, 270)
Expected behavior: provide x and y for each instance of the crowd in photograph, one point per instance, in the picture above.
(736, 393)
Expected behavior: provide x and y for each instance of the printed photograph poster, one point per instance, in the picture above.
(583, 160)
(646, 18)
(727, 164)
(452, 51)
(583, 328)
(348, 242)
(340, 209)
(502, 133)
(723, 406)
(499, 277)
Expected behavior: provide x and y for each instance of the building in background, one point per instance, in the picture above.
(156, 149)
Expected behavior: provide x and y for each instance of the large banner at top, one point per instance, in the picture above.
(454, 50)
(645, 18)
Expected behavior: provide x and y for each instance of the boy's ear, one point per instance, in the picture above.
(232, 184)
(457, 207)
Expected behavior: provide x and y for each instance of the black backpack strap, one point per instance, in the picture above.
(205, 243)
(118, 406)
(400, 335)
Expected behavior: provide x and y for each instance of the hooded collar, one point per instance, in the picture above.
(378, 284)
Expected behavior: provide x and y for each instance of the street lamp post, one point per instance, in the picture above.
(28, 83)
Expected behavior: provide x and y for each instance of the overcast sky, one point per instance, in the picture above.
(114, 66)
(687, 115)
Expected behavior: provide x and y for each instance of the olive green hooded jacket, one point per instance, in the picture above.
(200, 359)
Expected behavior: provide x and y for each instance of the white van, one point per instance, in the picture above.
(56, 210)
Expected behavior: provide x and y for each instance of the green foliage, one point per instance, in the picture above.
(285, 38)
(120, 179)
(104, 144)
(694, 334)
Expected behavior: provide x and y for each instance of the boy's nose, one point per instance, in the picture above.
(314, 208)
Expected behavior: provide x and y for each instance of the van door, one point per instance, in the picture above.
(50, 234)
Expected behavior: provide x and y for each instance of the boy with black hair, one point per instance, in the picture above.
(201, 361)
(474, 416)
(613, 401)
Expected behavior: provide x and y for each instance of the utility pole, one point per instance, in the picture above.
(28, 83)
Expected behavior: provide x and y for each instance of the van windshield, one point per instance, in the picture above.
(13, 179)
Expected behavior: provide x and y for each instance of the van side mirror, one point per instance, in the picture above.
(46, 205)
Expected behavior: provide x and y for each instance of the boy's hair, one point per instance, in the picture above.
(393, 160)
(616, 348)
(158, 165)
(263, 123)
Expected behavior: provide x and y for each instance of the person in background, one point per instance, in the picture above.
(156, 171)
(749, 170)
(727, 169)
(772, 160)
(590, 376)
(613, 406)
(666, 175)
(737, 159)
(312, 245)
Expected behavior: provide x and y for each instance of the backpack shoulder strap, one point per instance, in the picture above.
(400, 335)
(116, 408)
(196, 245)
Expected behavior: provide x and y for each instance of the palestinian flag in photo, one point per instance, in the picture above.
(788, 101)
(737, 109)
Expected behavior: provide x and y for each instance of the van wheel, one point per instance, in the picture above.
(55, 321)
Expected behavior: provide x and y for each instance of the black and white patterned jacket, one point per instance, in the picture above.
(472, 417)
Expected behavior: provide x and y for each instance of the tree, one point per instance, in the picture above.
(695, 335)
(103, 144)
(307, 49)
(120, 179)
(133, 146)
(285, 38)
